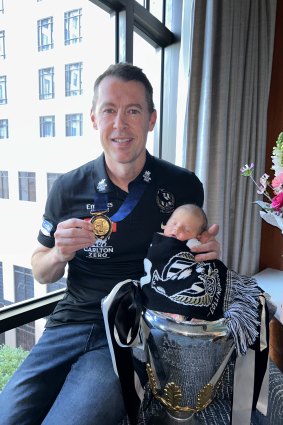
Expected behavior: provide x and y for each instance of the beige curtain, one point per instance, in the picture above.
(227, 69)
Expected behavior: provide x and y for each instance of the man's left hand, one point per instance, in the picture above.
(209, 249)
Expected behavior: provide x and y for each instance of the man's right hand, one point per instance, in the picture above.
(48, 264)
(72, 235)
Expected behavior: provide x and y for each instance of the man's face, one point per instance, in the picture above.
(121, 116)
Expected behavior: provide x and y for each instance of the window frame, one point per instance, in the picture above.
(44, 123)
(40, 35)
(68, 18)
(4, 184)
(43, 73)
(27, 186)
(2, 43)
(71, 69)
(3, 90)
(4, 128)
(70, 119)
(25, 334)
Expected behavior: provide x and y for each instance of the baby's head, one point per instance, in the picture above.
(186, 222)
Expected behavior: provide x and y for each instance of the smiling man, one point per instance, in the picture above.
(68, 376)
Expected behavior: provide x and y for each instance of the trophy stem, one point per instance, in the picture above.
(181, 418)
(170, 418)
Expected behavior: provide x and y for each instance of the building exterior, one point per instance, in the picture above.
(50, 53)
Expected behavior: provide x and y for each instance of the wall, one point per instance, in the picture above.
(271, 253)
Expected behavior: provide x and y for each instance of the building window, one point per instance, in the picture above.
(24, 289)
(60, 284)
(73, 26)
(4, 185)
(4, 132)
(46, 83)
(1, 286)
(45, 34)
(47, 126)
(27, 186)
(24, 283)
(51, 177)
(2, 45)
(73, 79)
(74, 125)
(2, 335)
(3, 89)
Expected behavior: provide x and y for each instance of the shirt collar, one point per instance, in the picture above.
(102, 182)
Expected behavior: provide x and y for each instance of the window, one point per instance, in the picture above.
(27, 189)
(4, 185)
(1, 286)
(47, 126)
(24, 283)
(74, 125)
(4, 133)
(73, 26)
(149, 59)
(60, 284)
(51, 177)
(95, 26)
(24, 289)
(154, 6)
(2, 335)
(46, 83)
(73, 79)
(45, 34)
(2, 45)
(3, 89)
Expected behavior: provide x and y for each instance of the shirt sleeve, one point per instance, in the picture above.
(52, 215)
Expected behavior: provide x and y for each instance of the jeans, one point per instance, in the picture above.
(67, 379)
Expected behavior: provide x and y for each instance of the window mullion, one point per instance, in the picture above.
(126, 33)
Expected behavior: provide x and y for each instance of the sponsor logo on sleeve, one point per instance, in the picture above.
(46, 227)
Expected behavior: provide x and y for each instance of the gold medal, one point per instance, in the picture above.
(102, 225)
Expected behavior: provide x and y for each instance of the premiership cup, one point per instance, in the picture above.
(186, 362)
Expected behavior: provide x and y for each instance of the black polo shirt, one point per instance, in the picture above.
(94, 271)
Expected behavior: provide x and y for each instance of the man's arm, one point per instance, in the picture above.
(48, 264)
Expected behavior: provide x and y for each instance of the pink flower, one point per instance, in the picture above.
(277, 183)
(277, 202)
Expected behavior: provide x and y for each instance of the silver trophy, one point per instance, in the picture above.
(186, 361)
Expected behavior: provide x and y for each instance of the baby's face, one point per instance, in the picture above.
(183, 225)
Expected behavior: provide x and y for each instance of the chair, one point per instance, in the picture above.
(218, 412)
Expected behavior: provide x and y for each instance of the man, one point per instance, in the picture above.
(99, 220)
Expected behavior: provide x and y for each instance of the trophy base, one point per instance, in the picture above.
(168, 418)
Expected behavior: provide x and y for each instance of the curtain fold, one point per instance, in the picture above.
(227, 69)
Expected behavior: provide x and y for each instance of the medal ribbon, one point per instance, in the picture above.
(133, 197)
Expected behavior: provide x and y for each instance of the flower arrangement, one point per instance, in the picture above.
(272, 210)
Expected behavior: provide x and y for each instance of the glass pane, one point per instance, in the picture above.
(156, 8)
(15, 346)
(149, 59)
(30, 152)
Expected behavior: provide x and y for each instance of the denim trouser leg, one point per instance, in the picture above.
(66, 379)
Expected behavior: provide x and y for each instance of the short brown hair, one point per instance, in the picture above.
(127, 72)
